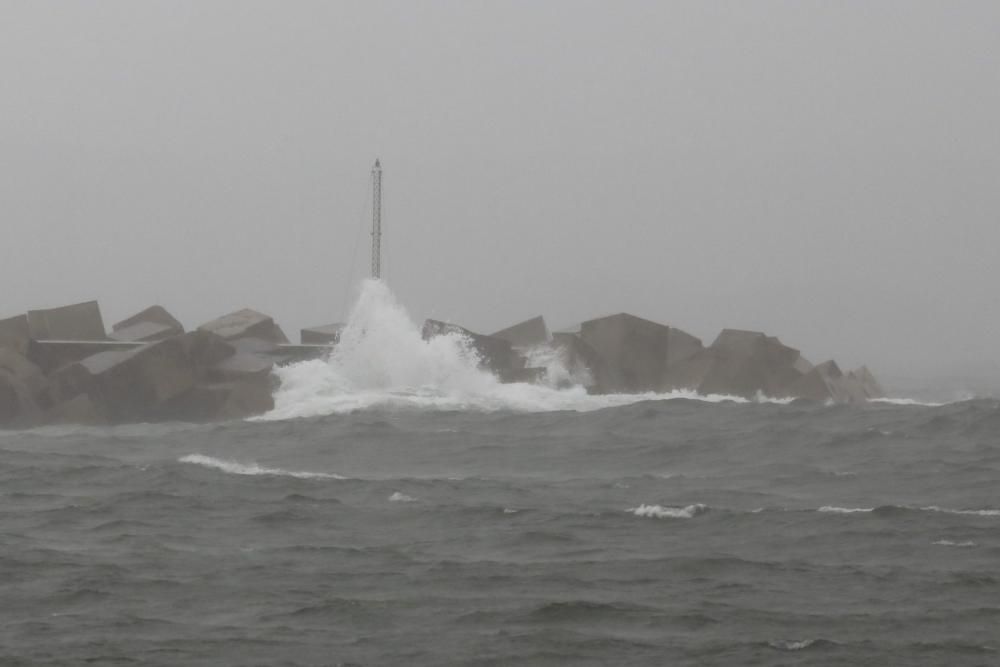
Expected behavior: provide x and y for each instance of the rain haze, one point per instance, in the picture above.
(825, 172)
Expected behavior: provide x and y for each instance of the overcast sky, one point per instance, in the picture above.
(828, 172)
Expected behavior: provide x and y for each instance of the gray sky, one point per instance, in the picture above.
(828, 172)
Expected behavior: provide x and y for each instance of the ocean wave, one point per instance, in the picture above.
(949, 543)
(398, 497)
(236, 468)
(906, 401)
(888, 509)
(383, 361)
(982, 512)
(661, 512)
(844, 510)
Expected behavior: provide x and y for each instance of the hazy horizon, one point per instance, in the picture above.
(826, 172)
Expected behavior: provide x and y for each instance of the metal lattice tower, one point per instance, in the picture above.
(377, 221)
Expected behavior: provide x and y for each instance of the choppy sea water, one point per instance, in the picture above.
(677, 532)
(401, 507)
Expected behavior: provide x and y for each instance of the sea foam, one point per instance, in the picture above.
(660, 512)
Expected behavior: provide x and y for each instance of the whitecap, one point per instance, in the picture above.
(661, 512)
(792, 644)
(906, 401)
(237, 468)
(398, 497)
(982, 512)
(844, 510)
(949, 543)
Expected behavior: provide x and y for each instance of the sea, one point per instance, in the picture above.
(399, 506)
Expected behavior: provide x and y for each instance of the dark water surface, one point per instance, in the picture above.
(672, 532)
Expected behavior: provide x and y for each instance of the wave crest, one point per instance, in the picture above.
(236, 468)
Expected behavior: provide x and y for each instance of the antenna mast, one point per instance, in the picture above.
(377, 220)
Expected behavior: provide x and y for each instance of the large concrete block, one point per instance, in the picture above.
(129, 386)
(525, 334)
(245, 323)
(740, 363)
(51, 355)
(634, 352)
(153, 323)
(22, 390)
(325, 334)
(221, 401)
(496, 354)
(81, 321)
(253, 359)
(866, 380)
(14, 333)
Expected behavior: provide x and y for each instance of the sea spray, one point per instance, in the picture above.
(382, 360)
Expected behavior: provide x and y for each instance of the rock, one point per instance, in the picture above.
(129, 386)
(525, 334)
(635, 353)
(81, 321)
(495, 354)
(14, 333)
(245, 323)
(326, 334)
(153, 323)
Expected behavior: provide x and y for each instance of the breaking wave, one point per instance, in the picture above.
(236, 468)
(831, 509)
(382, 360)
(660, 512)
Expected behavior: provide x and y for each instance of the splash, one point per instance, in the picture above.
(382, 360)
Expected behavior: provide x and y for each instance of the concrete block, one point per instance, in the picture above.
(51, 355)
(153, 314)
(870, 387)
(525, 334)
(633, 351)
(143, 332)
(579, 359)
(14, 333)
(245, 323)
(221, 401)
(326, 334)
(129, 386)
(81, 321)
(22, 390)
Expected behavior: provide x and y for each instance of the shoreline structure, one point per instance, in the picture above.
(61, 365)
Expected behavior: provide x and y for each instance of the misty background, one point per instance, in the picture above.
(828, 172)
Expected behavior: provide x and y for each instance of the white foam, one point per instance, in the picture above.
(398, 497)
(949, 543)
(906, 401)
(236, 468)
(660, 512)
(383, 361)
(983, 512)
(844, 510)
(792, 645)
